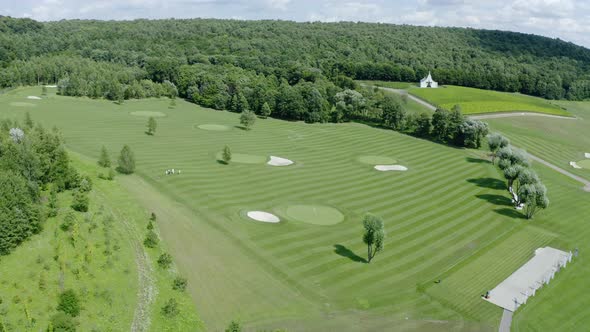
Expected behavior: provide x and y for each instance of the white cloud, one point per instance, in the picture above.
(279, 4)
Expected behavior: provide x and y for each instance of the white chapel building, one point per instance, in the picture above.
(428, 82)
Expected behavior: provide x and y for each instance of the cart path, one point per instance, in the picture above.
(506, 321)
(516, 114)
(404, 92)
(583, 181)
(477, 116)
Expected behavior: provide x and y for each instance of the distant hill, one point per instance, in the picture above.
(504, 61)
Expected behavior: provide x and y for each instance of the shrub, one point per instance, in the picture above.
(62, 322)
(165, 260)
(234, 327)
(69, 221)
(81, 201)
(151, 240)
(179, 284)
(170, 309)
(69, 303)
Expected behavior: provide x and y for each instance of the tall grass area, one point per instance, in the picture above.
(448, 217)
(96, 258)
(476, 101)
(555, 140)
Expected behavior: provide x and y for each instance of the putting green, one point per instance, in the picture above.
(21, 104)
(584, 163)
(314, 214)
(376, 160)
(148, 114)
(213, 127)
(244, 158)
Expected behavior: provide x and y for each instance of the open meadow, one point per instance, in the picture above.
(447, 217)
(477, 101)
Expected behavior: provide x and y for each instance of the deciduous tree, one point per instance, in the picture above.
(374, 235)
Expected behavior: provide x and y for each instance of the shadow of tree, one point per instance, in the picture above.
(477, 160)
(512, 213)
(490, 183)
(496, 199)
(345, 252)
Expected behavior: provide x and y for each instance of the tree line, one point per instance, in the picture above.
(293, 51)
(33, 160)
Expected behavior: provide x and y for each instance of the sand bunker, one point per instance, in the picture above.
(20, 104)
(263, 216)
(244, 158)
(213, 127)
(376, 160)
(575, 165)
(587, 155)
(148, 114)
(51, 86)
(278, 161)
(387, 168)
(34, 97)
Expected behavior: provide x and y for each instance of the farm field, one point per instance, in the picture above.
(558, 141)
(476, 101)
(98, 259)
(446, 218)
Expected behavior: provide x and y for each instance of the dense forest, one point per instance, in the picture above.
(32, 159)
(301, 71)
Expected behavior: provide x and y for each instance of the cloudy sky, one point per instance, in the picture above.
(565, 19)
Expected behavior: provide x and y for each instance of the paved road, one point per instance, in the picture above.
(514, 114)
(583, 181)
(506, 321)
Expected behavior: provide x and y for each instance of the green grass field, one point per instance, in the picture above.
(446, 218)
(558, 141)
(476, 101)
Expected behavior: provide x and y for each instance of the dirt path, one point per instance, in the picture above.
(146, 290)
(516, 114)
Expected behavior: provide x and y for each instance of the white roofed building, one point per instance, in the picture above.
(428, 82)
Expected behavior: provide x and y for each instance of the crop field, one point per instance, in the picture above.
(558, 141)
(476, 101)
(447, 217)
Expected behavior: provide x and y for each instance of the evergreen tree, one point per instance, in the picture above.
(265, 111)
(53, 203)
(104, 160)
(126, 161)
(152, 125)
(226, 155)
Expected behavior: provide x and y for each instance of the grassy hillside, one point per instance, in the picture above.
(556, 140)
(99, 258)
(475, 101)
(448, 217)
